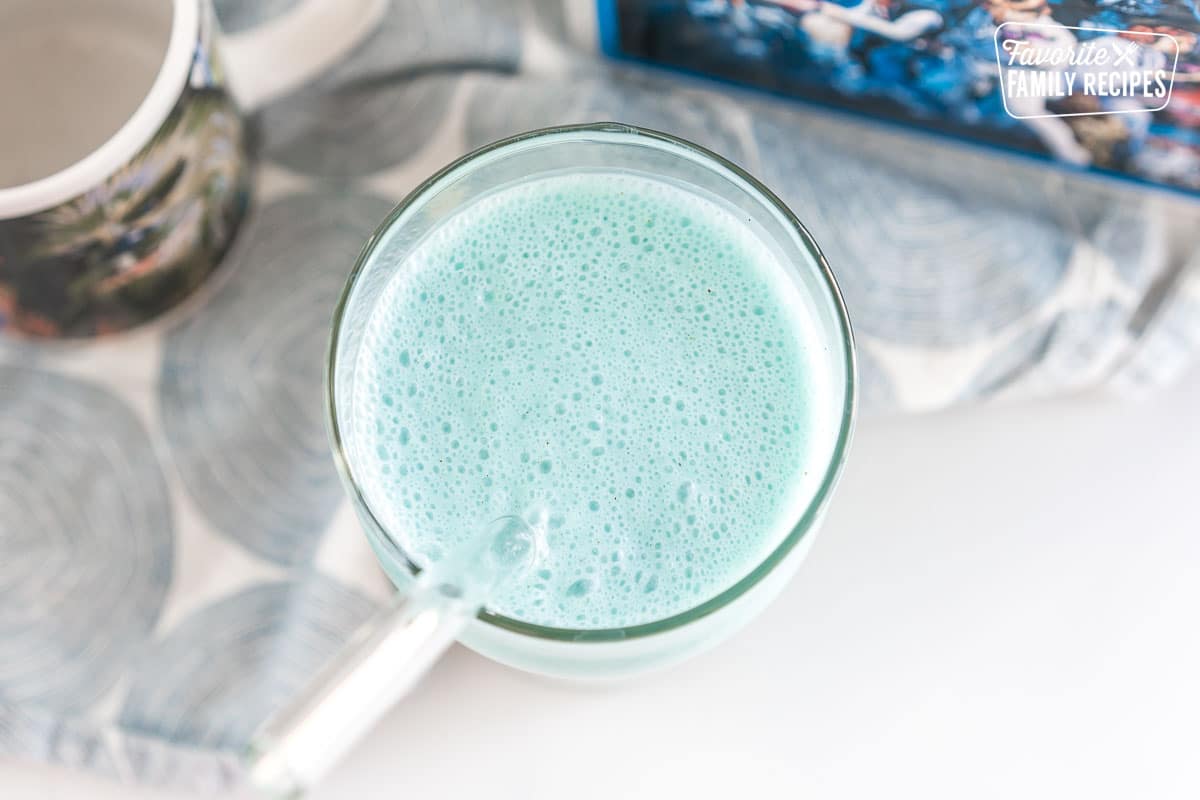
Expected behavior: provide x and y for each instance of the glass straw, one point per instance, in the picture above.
(385, 658)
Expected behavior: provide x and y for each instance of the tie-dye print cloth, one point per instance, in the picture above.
(176, 557)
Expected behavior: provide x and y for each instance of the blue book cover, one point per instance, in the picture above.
(1111, 86)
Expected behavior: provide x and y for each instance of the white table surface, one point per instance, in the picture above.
(1004, 603)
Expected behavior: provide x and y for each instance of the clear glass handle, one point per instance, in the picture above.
(385, 659)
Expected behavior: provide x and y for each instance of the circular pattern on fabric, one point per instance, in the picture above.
(382, 103)
(424, 32)
(502, 107)
(354, 131)
(241, 391)
(919, 263)
(86, 542)
(223, 670)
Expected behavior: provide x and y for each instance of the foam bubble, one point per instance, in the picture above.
(599, 346)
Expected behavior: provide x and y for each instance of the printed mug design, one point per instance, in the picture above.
(140, 242)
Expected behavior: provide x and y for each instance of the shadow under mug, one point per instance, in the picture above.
(111, 214)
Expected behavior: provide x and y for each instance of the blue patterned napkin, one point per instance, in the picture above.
(176, 556)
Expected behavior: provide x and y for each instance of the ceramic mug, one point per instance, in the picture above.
(123, 151)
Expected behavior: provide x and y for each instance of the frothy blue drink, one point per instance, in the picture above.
(620, 359)
(590, 389)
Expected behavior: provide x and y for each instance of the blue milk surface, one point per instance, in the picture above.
(615, 358)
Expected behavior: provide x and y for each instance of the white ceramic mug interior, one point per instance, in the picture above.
(87, 85)
(71, 74)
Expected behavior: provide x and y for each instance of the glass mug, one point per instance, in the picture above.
(603, 653)
(386, 658)
(123, 163)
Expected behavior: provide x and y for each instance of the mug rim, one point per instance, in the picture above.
(91, 170)
(806, 520)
